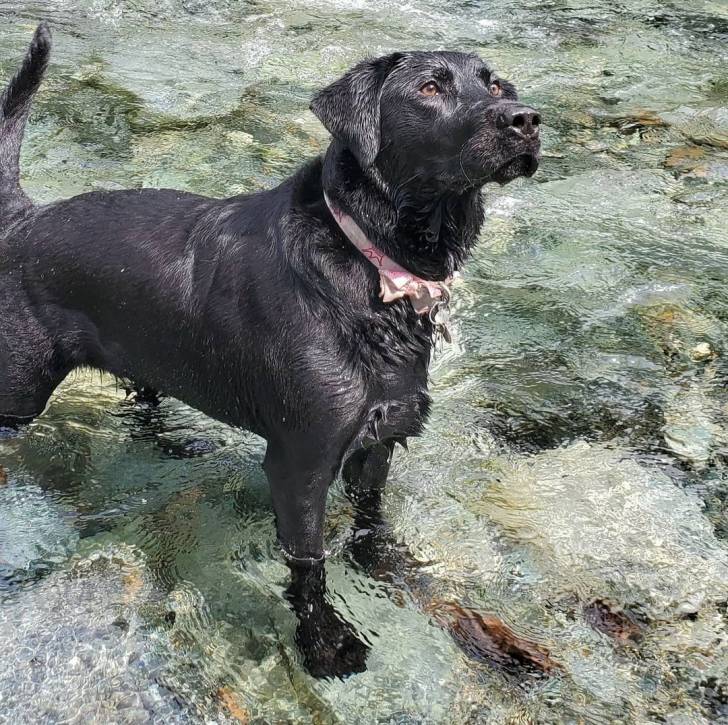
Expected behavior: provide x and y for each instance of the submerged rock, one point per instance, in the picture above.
(613, 620)
(685, 159)
(602, 525)
(690, 431)
(690, 410)
(73, 650)
(485, 637)
(697, 162)
(675, 326)
(702, 126)
(35, 532)
(230, 700)
(628, 123)
(702, 351)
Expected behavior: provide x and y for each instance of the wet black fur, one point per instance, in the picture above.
(256, 309)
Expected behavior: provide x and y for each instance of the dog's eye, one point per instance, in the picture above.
(430, 89)
(495, 89)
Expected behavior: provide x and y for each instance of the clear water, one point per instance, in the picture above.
(578, 445)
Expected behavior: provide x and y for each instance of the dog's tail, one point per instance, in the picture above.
(15, 107)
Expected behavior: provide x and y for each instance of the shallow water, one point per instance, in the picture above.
(578, 445)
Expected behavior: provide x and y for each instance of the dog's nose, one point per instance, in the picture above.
(521, 119)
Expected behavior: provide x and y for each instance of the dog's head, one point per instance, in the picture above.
(442, 120)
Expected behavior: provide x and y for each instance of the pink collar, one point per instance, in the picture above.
(395, 282)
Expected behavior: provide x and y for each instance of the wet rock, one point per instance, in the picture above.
(35, 532)
(600, 523)
(230, 702)
(715, 698)
(617, 623)
(684, 159)
(707, 127)
(487, 638)
(67, 657)
(690, 431)
(632, 122)
(702, 352)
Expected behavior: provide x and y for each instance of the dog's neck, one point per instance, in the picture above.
(429, 232)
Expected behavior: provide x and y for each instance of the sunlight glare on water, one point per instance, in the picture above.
(571, 483)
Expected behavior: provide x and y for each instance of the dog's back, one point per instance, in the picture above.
(107, 279)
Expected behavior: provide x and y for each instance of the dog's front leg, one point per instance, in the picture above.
(299, 483)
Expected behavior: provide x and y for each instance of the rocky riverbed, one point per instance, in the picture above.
(566, 511)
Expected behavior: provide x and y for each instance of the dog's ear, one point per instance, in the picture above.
(349, 107)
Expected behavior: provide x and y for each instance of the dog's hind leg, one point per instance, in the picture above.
(24, 394)
(144, 395)
(373, 545)
(30, 367)
(365, 474)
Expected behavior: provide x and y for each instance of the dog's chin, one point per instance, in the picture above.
(521, 165)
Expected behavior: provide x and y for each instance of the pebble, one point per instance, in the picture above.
(702, 351)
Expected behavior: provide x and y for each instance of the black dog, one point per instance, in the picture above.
(260, 310)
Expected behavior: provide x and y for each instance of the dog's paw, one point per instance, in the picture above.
(329, 646)
(145, 396)
(376, 550)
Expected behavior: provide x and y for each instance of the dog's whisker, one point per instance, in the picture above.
(462, 167)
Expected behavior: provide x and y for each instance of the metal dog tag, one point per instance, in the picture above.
(440, 316)
(444, 331)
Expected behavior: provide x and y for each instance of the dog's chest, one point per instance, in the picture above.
(398, 404)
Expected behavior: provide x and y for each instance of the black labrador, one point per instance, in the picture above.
(306, 313)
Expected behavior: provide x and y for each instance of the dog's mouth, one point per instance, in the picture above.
(522, 165)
